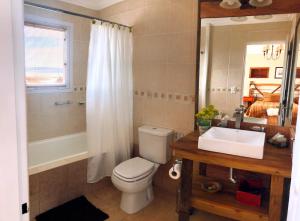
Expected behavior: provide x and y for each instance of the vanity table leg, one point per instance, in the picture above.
(202, 169)
(185, 190)
(276, 195)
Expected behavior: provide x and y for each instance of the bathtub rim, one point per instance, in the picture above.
(57, 163)
(41, 167)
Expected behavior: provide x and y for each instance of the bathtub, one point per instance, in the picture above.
(55, 152)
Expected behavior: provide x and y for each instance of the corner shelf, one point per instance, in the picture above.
(225, 204)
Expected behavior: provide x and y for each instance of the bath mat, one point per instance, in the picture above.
(79, 209)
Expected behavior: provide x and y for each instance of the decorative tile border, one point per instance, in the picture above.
(222, 90)
(167, 96)
(79, 88)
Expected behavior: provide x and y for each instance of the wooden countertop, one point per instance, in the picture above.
(275, 162)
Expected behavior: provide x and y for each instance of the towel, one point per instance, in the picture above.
(272, 112)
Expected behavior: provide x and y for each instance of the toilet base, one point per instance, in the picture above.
(134, 202)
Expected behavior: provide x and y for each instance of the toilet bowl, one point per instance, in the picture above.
(133, 177)
(136, 186)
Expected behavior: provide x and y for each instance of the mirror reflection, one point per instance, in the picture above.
(243, 62)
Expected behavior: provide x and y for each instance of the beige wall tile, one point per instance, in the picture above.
(164, 60)
(53, 187)
(45, 120)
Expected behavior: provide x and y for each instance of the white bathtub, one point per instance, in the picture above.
(50, 153)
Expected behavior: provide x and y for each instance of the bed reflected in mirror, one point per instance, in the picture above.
(263, 81)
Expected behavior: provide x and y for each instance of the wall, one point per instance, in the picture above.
(12, 167)
(227, 58)
(45, 120)
(258, 60)
(54, 187)
(164, 62)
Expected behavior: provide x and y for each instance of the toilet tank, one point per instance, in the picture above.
(154, 143)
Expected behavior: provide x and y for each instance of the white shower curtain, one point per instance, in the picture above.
(109, 99)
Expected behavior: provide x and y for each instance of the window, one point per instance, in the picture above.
(47, 56)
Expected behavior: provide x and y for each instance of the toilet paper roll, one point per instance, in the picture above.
(175, 171)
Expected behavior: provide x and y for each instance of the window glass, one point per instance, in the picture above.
(45, 56)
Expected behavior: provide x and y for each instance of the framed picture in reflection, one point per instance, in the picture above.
(298, 73)
(278, 72)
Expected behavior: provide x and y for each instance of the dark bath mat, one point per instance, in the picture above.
(79, 209)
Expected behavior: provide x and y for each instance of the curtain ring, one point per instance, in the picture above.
(94, 21)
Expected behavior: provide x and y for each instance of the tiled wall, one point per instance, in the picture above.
(227, 58)
(53, 187)
(164, 70)
(164, 60)
(45, 120)
(164, 67)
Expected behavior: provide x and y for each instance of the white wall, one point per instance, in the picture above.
(258, 60)
(11, 179)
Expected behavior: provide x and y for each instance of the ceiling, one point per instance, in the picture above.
(93, 4)
(250, 20)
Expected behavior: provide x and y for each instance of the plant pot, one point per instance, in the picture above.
(203, 125)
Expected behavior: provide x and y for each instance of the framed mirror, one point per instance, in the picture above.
(292, 81)
(247, 61)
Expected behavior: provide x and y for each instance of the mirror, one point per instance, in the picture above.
(243, 62)
(295, 77)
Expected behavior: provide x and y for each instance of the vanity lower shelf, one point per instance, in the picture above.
(225, 204)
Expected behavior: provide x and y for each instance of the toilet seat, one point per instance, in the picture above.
(134, 169)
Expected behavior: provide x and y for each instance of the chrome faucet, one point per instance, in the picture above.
(239, 116)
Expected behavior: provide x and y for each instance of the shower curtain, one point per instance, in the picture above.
(109, 99)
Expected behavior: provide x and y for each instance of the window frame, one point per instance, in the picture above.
(55, 25)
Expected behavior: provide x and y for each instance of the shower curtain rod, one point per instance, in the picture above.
(72, 13)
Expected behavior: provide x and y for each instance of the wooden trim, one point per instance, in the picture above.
(202, 169)
(211, 9)
(225, 204)
(275, 162)
(266, 84)
(197, 63)
(297, 72)
(276, 195)
(185, 191)
(256, 87)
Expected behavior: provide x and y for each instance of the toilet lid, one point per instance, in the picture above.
(134, 168)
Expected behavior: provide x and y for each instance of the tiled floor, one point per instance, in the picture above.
(106, 197)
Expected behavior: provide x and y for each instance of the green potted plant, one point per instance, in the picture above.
(205, 116)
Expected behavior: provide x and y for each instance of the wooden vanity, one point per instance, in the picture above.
(276, 163)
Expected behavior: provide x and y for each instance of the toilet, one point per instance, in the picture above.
(133, 177)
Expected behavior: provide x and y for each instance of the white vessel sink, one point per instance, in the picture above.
(232, 141)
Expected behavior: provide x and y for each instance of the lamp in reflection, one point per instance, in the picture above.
(239, 19)
(230, 4)
(263, 17)
(260, 3)
(272, 52)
